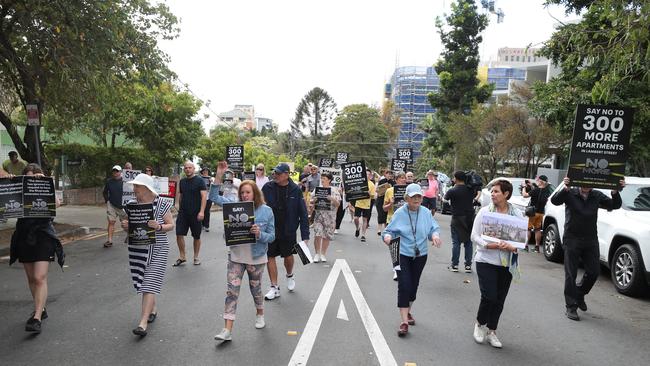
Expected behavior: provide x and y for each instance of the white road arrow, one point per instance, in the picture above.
(342, 314)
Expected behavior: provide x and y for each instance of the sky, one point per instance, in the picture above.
(271, 53)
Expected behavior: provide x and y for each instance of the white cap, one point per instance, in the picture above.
(144, 180)
(117, 167)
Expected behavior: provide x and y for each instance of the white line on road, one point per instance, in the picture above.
(342, 314)
(308, 337)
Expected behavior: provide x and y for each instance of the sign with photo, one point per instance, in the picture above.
(248, 176)
(235, 157)
(342, 157)
(127, 189)
(139, 231)
(336, 174)
(355, 180)
(323, 202)
(398, 165)
(405, 153)
(325, 163)
(27, 196)
(600, 146)
(398, 195)
(501, 227)
(238, 219)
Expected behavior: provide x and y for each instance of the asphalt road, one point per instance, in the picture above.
(92, 308)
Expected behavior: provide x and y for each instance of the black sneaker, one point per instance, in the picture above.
(363, 238)
(356, 233)
(582, 305)
(453, 268)
(33, 325)
(572, 314)
(468, 269)
(43, 314)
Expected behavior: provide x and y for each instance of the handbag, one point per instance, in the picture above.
(530, 211)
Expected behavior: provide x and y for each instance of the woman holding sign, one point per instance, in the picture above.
(34, 244)
(324, 215)
(148, 261)
(496, 263)
(415, 226)
(249, 258)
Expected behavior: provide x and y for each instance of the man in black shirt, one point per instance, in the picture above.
(113, 198)
(192, 196)
(462, 219)
(538, 197)
(581, 239)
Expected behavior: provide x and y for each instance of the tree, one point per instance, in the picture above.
(57, 55)
(360, 131)
(605, 59)
(390, 116)
(316, 111)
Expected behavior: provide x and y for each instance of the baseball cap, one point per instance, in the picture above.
(413, 189)
(117, 167)
(282, 168)
(543, 178)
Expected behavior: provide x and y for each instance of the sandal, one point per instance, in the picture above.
(152, 317)
(179, 262)
(139, 331)
(108, 244)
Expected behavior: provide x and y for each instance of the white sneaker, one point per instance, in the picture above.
(224, 335)
(394, 275)
(291, 284)
(259, 322)
(322, 258)
(274, 292)
(493, 340)
(479, 333)
(336, 231)
(316, 258)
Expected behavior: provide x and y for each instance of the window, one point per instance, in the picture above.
(517, 58)
(528, 58)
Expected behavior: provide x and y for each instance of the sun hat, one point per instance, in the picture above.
(144, 180)
(413, 189)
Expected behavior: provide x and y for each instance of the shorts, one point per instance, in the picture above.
(429, 202)
(283, 248)
(365, 212)
(535, 222)
(185, 222)
(42, 251)
(114, 214)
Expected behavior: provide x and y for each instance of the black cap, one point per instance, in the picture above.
(543, 178)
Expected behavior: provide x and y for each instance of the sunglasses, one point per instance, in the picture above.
(260, 169)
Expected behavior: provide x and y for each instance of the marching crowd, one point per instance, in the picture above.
(285, 209)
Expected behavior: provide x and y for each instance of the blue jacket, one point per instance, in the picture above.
(296, 213)
(400, 225)
(263, 218)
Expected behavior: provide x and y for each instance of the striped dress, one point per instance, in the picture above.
(148, 262)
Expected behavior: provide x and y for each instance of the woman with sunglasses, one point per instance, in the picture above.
(260, 176)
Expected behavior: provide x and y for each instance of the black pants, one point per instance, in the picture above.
(206, 215)
(408, 279)
(339, 215)
(575, 250)
(494, 282)
(381, 214)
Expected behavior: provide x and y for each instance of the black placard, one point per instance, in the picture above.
(355, 180)
(39, 197)
(424, 183)
(235, 157)
(393, 247)
(11, 197)
(325, 163)
(248, 176)
(405, 153)
(398, 165)
(600, 146)
(398, 195)
(342, 157)
(323, 202)
(139, 231)
(238, 219)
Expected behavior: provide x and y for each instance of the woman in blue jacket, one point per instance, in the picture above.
(415, 226)
(250, 258)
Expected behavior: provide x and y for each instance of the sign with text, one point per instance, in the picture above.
(398, 165)
(139, 231)
(336, 174)
(235, 157)
(342, 157)
(600, 146)
(127, 189)
(171, 189)
(398, 196)
(27, 196)
(325, 163)
(405, 153)
(323, 202)
(355, 180)
(393, 247)
(424, 183)
(248, 176)
(238, 219)
(33, 118)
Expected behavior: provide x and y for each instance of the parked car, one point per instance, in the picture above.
(623, 236)
(517, 199)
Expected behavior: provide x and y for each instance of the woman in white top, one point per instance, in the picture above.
(260, 176)
(496, 264)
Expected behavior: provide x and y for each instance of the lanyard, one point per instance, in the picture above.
(414, 229)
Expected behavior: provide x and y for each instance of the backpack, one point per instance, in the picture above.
(474, 180)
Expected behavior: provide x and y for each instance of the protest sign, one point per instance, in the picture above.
(398, 165)
(405, 153)
(342, 157)
(393, 247)
(424, 183)
(238, 219)
(235, 157)
(398, 195)
(325, 163)
(501, 227)
(127, 189)
(27, 196)
(336, 174)
(355, 181)
(248, 176)
(323, 202)
(139, 231)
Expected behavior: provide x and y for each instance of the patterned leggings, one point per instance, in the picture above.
(235, 276)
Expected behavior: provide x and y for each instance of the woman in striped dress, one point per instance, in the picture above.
(148, 262)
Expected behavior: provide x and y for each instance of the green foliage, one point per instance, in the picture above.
(316, 112)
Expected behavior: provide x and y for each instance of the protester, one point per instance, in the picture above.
(289, 211)
(431, 194)
(382, 185)
(34, 244)
(148, 170)
(389, 197)
(496, 263)
(148, 262)
(260, 176)
(409, 177)
(249, 258)
(580, 240)
(205, 175)
(128, 166)
(113, 190)
(14, 165)
(415, 226)
(462, 217)
(191, 197)
(538, 197)
(325, 220)
(371, 179)
(340, 211)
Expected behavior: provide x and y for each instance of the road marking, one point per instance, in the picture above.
(308, 337)
(342, 314)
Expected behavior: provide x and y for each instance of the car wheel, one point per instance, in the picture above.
(627, 270)
(552, 244)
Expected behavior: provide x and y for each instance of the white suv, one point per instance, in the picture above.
(623, 236)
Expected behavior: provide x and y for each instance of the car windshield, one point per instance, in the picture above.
(636, 197)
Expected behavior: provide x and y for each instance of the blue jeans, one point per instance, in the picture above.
(455, 251)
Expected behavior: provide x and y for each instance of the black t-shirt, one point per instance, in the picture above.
(190, 189)
(462, 199)
(539, 197)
